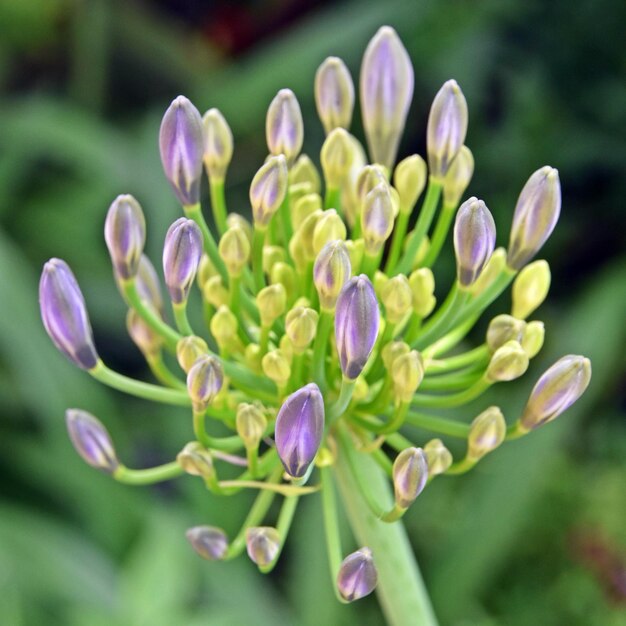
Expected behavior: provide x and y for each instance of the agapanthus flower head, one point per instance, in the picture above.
(334, 94)
(284, 128)
(181, 257)
(64, 314)
(209, 542)
(357, 575)
(182, 145)
(91, 440)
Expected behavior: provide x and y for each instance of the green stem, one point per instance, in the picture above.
(218, 204)
(413, 330)
(258, 241)
(400, 589)
(452, 382)
(439, 234)
(180, 315)
(515, 431)
(454, 399)
(332, 199)
(394, 515)
(138, 388)
(448, 341)
(285, 221)
(424, 220)
(148, 476)
(458, 361)
(460, 467)
(194, 212)
(438, 424)
(285, 517)
(399, 237)
(319, 349)
(395, 423)
(162, 373)
(341, 404)
(441, 322)
(370, 264)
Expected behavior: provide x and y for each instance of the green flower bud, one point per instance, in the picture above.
(422, 283)
(271, 302)
(234, 219)
(284, 128)
(438, 457)
(409, 179)
(508, 362)
(336, 157)
(334, 94)
(304, 171)
(305, 206)
(397, 297)
(303, 238)
(407, 371)
(301, 326)
(410, 474)
(458, 177)
(530, 288)
(224, 326)
(218, 145)
(271, 256)
(252, 357)
(298, 250)
(379, 281)
(263, 544)
(234, 249)
(251, 425)
(377, 219)
(196, 460)
(532, 341)
(503, 328)
(204, 381)
(188, 350)
(142, 335)
(331, 271)
(284, 274)
(206, 270)
(215, 293)
(285, 345)
(392, 351)
(491, 271)
(276, 367)
(268, 190)
(487, 432)
(329, 227)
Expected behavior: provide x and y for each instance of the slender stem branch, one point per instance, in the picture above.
(319, 349)
(218, 204)
(285, 517)
(440, 425)
(148, 476)
(182, 321)
(454, 399)
(341, 404)
(162, 373)
(439, 234)
(399, 237)
(258, 241)
(194, 212)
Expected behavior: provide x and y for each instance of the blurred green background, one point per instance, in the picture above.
(536, 534)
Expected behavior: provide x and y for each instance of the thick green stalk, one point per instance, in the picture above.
(400, 589)
(218, 204)
(182, 321)
(194, 212)
(148, 476)
(258, 241)
(319, 349)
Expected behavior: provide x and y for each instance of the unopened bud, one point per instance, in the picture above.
(329, 227)
(284, 128)
(357, 575)
(439, 458)
(91, 440)
(368, 178)
(305, 206)
(234, 249)
(196, 460)
(508, 362)
(495, 266)
(251, 425)
(64, 314)
(409, 179)
(204, 382)
(236, 220)
(285, 274)
(182, 144)
(188, 350)
(209, 542)
(407, 372)
(181, 257)
(299, 429)
(301, 326)
(397, 298)
(253, 357)
(503, 328)
(125, 235)
(334, 94)
(285, 345)
(276, 367)
(557, 389)
(532, 341)
(530, 288)
(336, 157)
(536, 214)
(149, 342)
(447, 127)
(304, 171)
(223, 326)
(458, 177)
(356, 250)
(377, 219)
(331, 271)
(487, 432)
(268, 190)
(215, 293)
(271, 256)
(474, 240)
(386, 87)
(218, 145)
(410, 473)
(271, 302)
(206, 270)
(148, 285)
(422, 283)
(263, 544)
(392, 351)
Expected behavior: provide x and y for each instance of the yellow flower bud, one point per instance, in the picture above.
(276, 367)
(379, 281)
(532, 341)
(407, 371)
(458, 177)
(251, 425)
(392, 351)
(409, 179)
(329, 227)
(268, 190)
(334, 94)
(196, 460)
(361, 389)
(530, 288)
(397, 298)
(422, 283)
(218, 144)
(303, 207)
(284, 274)
(507, 363)
(285, 345)
(252, 357)
(300, 326)
(487, 432)
(271, 256)
(271, 301)
(188, 350)
(234, 249)
(377, 219)
(304, 171)
(234, 219)
(503, 328)
(369, 177)
(438, 457)
(298, 250)
(331, 271)
(206, 270)
(224, 326)
(336, 157)
(490, 272)
(215, 293)
(304, 237)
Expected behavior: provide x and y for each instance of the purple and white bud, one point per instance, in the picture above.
(148, 285)
(299, 429)
(447, 127)
(149, 342)
(262, 544)
(284, 128)
(125, 235)
(474, 240)
(331, 271)
(487, 432)
(204, 382)
(377, 218)
(410, 474)
(268, 189)
(557, 389)
(181, 257)
(182, 145)
(209, 542)
(536, 214)
(64, 314)
(386, 87)
(357, 318)
(334, 94)
(91, 440)
(357, 575)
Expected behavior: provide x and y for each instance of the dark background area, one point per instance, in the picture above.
(536, 534)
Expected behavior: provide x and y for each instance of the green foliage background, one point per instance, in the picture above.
(83, 84)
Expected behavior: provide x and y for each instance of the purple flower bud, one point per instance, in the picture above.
(181, 143)
(334, 94)
(377, 218)
(557, 389)
(209, 542)
(64, 314)
(331, 271)
(356, 324)
(148, 285)
(284, 128)
(263, 544)
(204, 382)
(386, 92)
(268, 189)
(181, 257)
(91, 440)
(474, 240)
(536, 214)
(357, 575)
(447, 127)
(125, 235)
(410, 473)
(299, 429)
